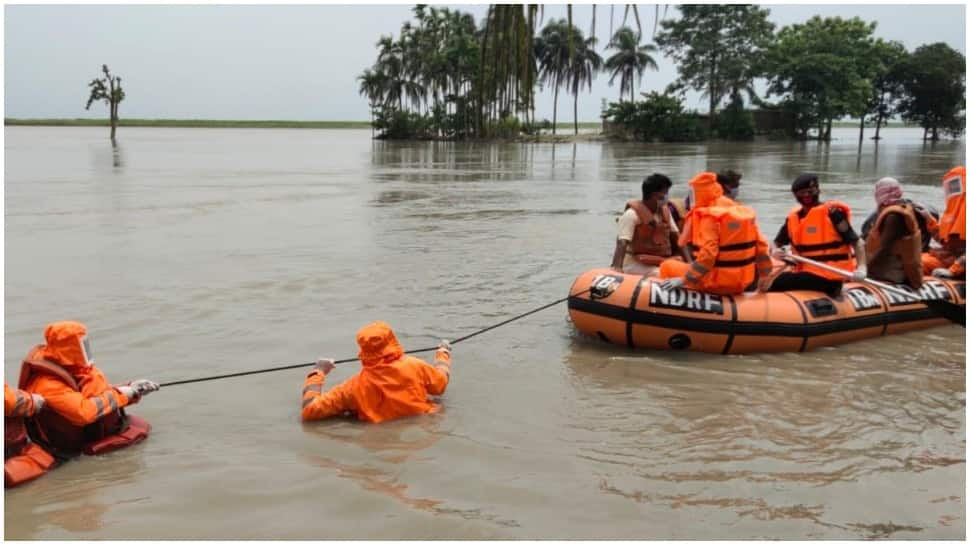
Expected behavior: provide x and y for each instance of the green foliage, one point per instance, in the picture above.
(397, 124)
(934, 79)
(717, 48)
(658, 117)
(823, 69)
(109, 90)
(630, 60)
(734, 122)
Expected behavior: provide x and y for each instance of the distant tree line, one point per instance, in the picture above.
(444, 76)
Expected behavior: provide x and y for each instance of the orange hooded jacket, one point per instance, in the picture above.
(96, 397)
(17, 402)
(390, 385)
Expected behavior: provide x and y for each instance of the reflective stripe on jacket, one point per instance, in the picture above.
(816, 238)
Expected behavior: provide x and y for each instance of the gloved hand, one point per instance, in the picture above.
(672, 283)
(143, 386)
(942, 273)
(325, 365)
(860, 273)
(129, 392)
(444, 345)
(39, 402)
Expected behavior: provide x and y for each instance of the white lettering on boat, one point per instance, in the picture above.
(862, 299)
(932, 290)
(688, 300)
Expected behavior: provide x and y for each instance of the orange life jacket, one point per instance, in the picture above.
(22, 460)
(953, 222)
(64, 439)
(816, 238)
(651, 238)
(734, 269)
(907, 249)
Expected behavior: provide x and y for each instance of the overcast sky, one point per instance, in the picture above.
(301, 62)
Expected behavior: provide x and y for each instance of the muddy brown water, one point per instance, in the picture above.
(197, 252)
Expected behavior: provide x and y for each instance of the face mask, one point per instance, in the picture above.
(808, 200)
(733, 192)
(662, 200)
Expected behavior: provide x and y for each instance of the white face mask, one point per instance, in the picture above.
(733, 192)
(86, 350)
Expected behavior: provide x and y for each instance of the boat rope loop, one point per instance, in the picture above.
(348, 360)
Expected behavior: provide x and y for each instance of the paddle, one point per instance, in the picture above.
(951, 311)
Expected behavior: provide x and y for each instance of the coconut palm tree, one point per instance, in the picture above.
(630, 59)
(581, 69)
(552, 55)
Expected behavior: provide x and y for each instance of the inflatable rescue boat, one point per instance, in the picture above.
(634, 310)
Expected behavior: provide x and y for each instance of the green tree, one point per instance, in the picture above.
(581, 70)
(823, 68)
(934, 80)
(553, 57)
(507, 72)
(109, 90)
(888, 82)
(372, 84)
(717, 48)
(630, 60)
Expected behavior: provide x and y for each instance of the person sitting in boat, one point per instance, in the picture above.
(927, 217)
(390, 385)
(731, 252)
(821, 231)
(22, 460)
(893, 244)
(647, 234)
(84, 412)
(730, 182)
(950, 261)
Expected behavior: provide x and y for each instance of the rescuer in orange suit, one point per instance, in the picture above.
(729, 251)
(950, 261)
(22, 460)
(84, 411)
(390, 385)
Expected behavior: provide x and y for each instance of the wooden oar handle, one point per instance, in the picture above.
(847, 274)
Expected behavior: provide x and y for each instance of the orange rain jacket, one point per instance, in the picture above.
(17, 402)
(96, 398)
(390, 385)
(729, 250)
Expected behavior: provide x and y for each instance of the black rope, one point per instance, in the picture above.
(348, 360)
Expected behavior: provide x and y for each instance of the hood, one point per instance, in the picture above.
(378, 344)
(705, 189)
(64, 344)
(953, 182)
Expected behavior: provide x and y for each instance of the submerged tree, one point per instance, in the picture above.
(717, 48)
(109, 90)
(934, 79)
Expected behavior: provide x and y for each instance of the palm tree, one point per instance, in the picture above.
(631, 58)
(552, 55)
(372, 83)
(582, 69)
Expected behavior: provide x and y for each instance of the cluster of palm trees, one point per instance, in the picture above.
(464, 80)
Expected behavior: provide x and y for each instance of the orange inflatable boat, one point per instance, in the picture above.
(633, 310)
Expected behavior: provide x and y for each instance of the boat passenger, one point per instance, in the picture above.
(730, 252)
(821, 231)
(730, 182)
(390, 385)
(647, 232)
(894, 243)
(84, 412)
(22, 460)
(950, 261)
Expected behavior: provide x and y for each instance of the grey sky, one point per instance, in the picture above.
(300, 62)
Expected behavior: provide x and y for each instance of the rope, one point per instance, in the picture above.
(348, 360)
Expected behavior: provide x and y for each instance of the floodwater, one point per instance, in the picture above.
(198, 252)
